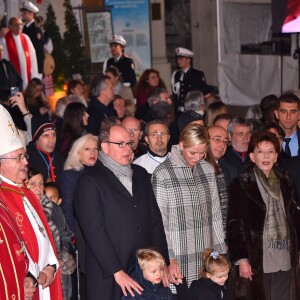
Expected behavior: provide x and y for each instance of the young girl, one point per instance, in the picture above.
(211, 284)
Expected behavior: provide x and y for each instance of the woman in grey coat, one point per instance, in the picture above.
(187, 195)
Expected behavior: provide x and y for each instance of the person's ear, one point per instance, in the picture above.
(180, 146)
(59, 201)
(251, 155)
(146, 139)
(141, 133)
(104, 147)
(276, 113)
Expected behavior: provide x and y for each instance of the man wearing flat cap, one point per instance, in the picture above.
(186, 79)
(124, 64)
(21, 210)
(28, 12)
(41, 150)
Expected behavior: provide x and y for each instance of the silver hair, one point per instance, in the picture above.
(254, 112)
(73, 162)
(98, 85)
(238, 121)
(60, 107)
(155, 95)
(193, 100)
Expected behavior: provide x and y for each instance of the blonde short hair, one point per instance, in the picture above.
(73, 162)
(193, 134)
(144, 256)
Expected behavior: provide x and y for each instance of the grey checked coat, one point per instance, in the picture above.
(190, 207)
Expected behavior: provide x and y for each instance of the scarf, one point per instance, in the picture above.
(123, 173)
(13, 53)
(275, 222)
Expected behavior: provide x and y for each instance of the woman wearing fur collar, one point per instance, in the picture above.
(260, 229)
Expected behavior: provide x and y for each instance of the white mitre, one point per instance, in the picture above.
(9, 134)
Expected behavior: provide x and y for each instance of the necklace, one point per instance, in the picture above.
(41, 228)
(159, 162)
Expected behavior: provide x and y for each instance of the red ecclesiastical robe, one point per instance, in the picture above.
(13, 261)
(13, 197)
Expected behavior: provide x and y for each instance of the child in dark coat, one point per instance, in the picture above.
(148, 273)
(212, 282)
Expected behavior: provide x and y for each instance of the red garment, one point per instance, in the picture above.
(12, 196)
(13, 262)
(13, 53)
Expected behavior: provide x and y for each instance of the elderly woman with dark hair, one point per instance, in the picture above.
(260, 229)
(186, 193)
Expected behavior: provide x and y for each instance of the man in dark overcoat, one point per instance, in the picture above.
(117, 213)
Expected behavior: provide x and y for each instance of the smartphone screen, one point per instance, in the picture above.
(14, 90)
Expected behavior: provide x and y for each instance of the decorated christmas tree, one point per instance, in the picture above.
(72, 44)
(52, 31)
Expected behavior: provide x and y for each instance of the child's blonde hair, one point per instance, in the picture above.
(211, 259)
(146, 255)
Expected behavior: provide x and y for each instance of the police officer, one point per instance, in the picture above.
(124, 64)
(186, 79)
(28, 11)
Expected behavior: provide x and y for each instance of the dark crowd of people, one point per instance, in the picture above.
(126, 191)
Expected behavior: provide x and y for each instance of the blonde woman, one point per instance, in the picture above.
(83, 154)
(187, 195)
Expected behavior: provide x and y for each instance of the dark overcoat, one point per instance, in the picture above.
(245, 227)
(114, 225)
(37, 38)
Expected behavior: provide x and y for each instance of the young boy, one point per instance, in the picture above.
(52, 192)
(148, 273)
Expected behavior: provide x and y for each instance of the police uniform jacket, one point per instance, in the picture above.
(125, 66)
(183, 83)
(37, 39)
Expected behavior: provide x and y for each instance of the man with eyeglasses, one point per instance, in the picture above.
(288, 115)
(19, 50)
(217, 147)
(117, 212)
(157, 137)
(41, 150)
(239, 130)
(34, 239)
(133, 126)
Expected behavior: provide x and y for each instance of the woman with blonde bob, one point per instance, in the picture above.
(187, 195)
(83, 154)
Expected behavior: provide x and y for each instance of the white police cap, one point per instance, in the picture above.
(27, 5)
(118, 39)
(184, 52)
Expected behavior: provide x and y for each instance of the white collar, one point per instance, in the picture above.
(28, 24)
